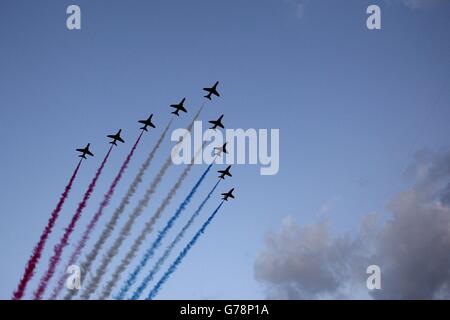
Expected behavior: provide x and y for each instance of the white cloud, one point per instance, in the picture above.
(306, 263)
(411, 247)
(418, 4)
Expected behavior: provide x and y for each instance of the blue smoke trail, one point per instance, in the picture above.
(182, 254)
(151, 250)
(169, 249)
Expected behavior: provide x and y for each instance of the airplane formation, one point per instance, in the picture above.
(225, 172)
(85, 151)
(222, 149)
(178, 108)
(228, 194)
(147, 123)
(217, 123)
(212, 91)
(116, 137)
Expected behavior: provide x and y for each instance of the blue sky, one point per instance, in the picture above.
(352, 105)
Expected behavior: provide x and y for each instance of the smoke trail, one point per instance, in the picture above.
(124, 232)
(37, 251)
(107, 231)
(148, 228)
(161, 234)
(182, 254)
(90, 227)
(58, 249)
(159, 264)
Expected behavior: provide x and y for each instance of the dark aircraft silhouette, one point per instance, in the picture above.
(217, 123)
(224, 173)
(212, 91)
(227, 195)
(85, 152)
(221, 149)
(179, 107)
(116, 137)
(147, 123)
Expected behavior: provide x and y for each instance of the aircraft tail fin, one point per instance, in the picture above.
(144, 128)
(82, 156)
(175, 113)
(208, 96)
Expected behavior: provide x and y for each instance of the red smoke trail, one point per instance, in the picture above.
(82, 243)
(37, 251)
(58, 249)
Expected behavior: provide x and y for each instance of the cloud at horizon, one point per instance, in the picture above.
(411, 247)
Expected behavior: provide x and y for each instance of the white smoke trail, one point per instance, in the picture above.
(182, 255)
(167, 252)
(132, 277)
(125, 231)
(107, 231)
(148, 228)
